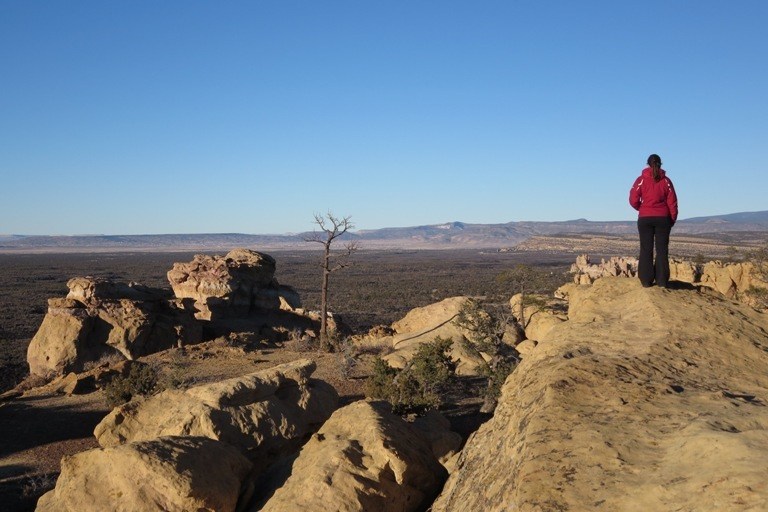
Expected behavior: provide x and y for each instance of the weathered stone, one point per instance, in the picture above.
(734, 280)
(86, 327)
(526, 346)
(728, 279)
(585, 272)
(61, 343)
(234, 284)
(541, 314)
(684, 271)
(423, 325)
(436, 430)
(97, 289)
(169, 473)
(634, 403)
(260, 413)
(364, 459)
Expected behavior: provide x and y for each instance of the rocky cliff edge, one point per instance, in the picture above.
(644, 399)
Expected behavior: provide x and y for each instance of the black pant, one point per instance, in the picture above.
(654, 230)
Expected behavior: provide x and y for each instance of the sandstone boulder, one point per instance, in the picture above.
(62, 343)
(540, 313)
(423, 325)
(364, 459)
(684, 271)
(525, 347)
(635, 403)
(127, 319)
(169, 473)
(586, 272)
(260, 414)
(735, 280)
(436, 430)
(730, 279)
(93, 289)
(234, 284)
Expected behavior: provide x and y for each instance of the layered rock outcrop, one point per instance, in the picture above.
(586, 272)
(363, 459)
(261, 414)
(101, 318)
(734, 280)
(232, 285)
(645, 399)
(175, 474)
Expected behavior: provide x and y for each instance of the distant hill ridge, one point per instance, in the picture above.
(453, 235)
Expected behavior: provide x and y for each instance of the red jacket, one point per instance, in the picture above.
(654, 198)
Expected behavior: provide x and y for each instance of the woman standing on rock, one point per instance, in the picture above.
(653, 195)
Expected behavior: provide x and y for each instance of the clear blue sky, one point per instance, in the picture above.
(123, 117)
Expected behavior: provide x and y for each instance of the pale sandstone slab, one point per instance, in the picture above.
(260, 413)
(363, 459)
(126, 320)
(423, 325)
(646, 399)
(175, 474)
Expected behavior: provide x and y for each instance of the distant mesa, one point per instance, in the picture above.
(449, 235)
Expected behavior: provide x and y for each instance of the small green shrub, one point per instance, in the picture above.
(174, 375)
(432, 367)
(380, 383)
(497, 372)
(486, 328)
(141, 380)
(419, 386)
(39, 484)
(759, 296)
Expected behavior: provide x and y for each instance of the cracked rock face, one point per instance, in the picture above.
(169, 473)
(364, 459)
(260, 413)
(101, 318)
(644, 399)
(735, 280)
(423, 325)
(237, 283)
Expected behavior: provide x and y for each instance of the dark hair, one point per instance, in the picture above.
(654, 162)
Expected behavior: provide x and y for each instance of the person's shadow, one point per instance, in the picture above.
(680, 285)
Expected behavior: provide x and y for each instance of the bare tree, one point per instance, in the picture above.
(331, 228)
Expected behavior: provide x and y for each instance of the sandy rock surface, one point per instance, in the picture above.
(645, 399)
(423, 325)
(235, 283)
(101, 318)
(732, 279)
(176, 474)
(541, 314)
(363, 459)
(260, 413)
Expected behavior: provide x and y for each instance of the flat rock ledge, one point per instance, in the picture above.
(644, 399)
(175, 474)
(260, 414)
